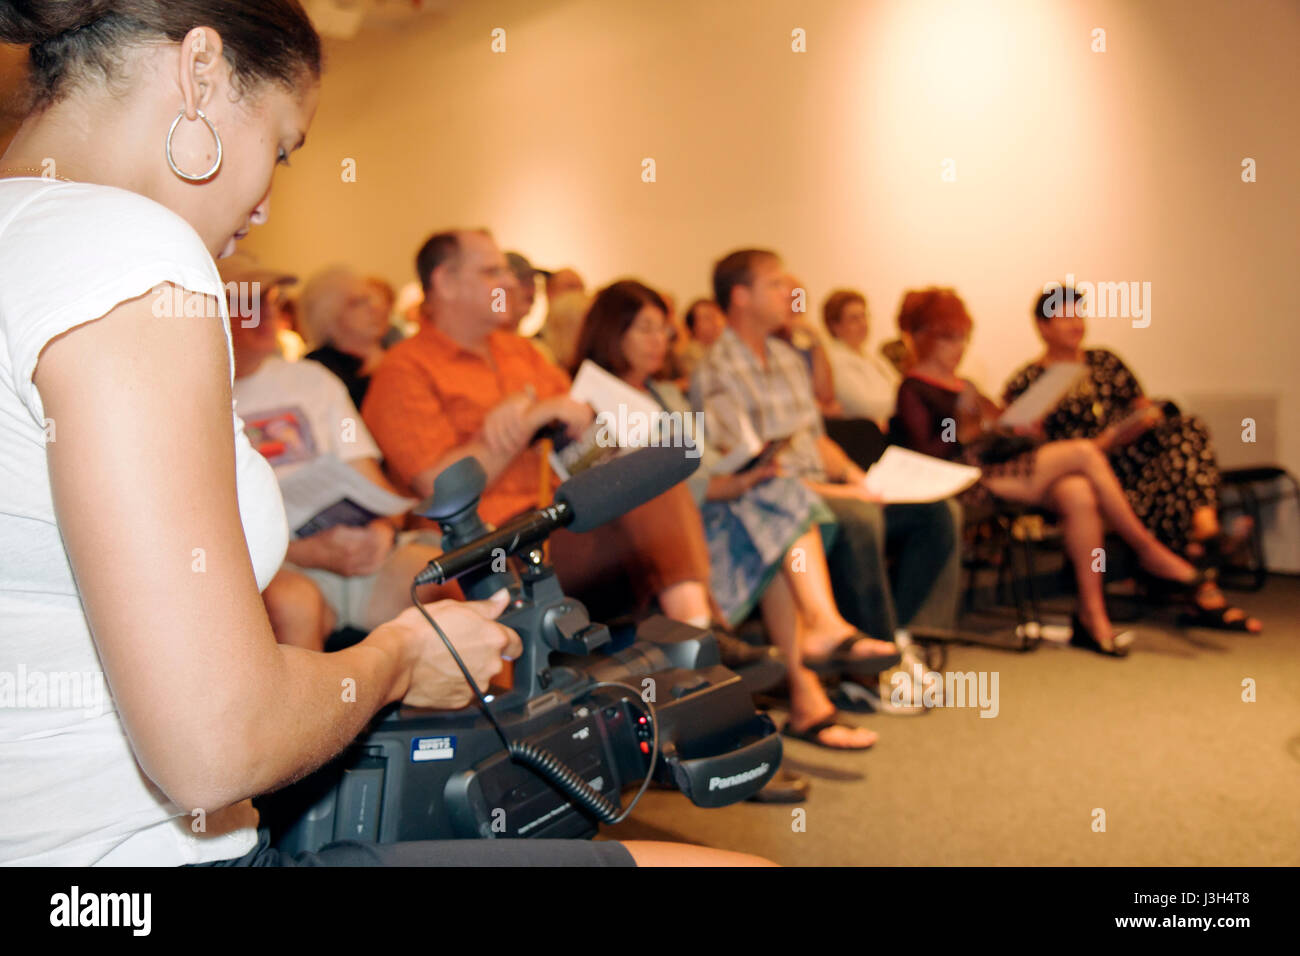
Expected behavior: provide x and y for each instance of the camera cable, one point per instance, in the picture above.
(542, 761)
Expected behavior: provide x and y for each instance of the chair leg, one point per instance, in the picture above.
(1250, 505)
(1002, 586)
(1031, 570)
(1018, 586)
(1295, 486)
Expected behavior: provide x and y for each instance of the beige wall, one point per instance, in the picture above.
(1122, 165)
(1115, 166)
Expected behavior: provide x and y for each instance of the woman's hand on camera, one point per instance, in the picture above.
(483, 645)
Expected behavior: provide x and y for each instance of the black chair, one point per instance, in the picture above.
(1243, 482)
(864, 443)
(861, 439)
(999, 540)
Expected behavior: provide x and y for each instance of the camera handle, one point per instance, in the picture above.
(539, 612)
(546, 620)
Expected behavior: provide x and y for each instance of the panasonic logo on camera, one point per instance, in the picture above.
(724, 783)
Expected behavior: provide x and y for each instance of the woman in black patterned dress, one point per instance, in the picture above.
(942, 415)
(1163, 459)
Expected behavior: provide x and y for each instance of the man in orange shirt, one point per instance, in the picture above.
(466, 384)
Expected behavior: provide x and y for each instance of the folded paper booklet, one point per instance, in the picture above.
(902, 476)
(325, 492)
(747, 447)
(626, 418)
(1044, 395)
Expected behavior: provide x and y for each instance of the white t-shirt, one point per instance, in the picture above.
(866, 385)
(294, 411)
(71, 790)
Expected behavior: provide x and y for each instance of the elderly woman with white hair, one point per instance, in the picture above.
(344, 320)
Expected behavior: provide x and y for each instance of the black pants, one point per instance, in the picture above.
(927, 576)
(440, 853)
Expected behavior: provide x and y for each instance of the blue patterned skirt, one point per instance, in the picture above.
(749, 536)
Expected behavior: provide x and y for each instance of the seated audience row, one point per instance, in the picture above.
(945, 416)
(294, 413)
(798, 538)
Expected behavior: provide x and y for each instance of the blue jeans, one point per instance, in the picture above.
(927, 576)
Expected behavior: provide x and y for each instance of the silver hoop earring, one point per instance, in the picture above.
(172, 162)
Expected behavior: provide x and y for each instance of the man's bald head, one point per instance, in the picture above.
(441, 249)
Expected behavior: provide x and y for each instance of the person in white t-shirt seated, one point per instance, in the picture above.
(137, 523)
(865, 384)
(343, 576)
(256, 285)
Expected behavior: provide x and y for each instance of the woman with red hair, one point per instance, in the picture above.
(943, 415)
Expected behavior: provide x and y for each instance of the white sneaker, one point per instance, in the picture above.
(880, 703)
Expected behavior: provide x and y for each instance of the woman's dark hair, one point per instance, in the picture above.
(690, 313)
(838, 301)
(262, 40)
(612, 313)
(1053, 297)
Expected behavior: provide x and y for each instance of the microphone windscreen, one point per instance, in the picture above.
(609, 491)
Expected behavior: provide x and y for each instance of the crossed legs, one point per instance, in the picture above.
(1076, 480)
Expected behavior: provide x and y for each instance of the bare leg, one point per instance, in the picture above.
(391, 594)
(1154, 556)
(1056, 460)
(687, 601)
(1082, 457)
(653, 853)
(804, 570)
(1205, 523)
(1074, 500)
(808, 701)
(298, 612)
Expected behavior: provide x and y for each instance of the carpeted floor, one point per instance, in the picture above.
(1185, 771)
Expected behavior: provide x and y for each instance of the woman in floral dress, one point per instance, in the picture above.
(1163, 459)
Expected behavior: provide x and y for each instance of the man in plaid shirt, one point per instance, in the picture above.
(750, 374)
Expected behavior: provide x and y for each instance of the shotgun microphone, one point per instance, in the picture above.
(587, 500)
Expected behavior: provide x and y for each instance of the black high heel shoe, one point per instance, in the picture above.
(1188, 594)
(1157, 586)
(1080, 636)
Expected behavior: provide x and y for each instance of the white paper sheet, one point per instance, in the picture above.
(627, 410)
(1044, 395)
(324, 482)
(902, 476)
(605, 393)
(746, 448)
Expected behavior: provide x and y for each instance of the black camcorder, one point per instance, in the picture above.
(589, 715)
